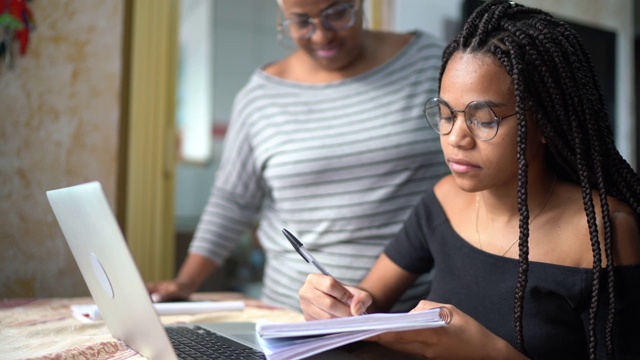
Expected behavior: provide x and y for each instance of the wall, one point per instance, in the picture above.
(60, 110)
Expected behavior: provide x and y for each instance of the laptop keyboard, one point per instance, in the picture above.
(199, 343)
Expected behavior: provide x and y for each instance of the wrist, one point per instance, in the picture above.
(186, 285)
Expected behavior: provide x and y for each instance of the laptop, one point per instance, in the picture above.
(100, 250)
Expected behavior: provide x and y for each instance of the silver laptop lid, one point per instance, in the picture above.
(108, 268)
(100, 250)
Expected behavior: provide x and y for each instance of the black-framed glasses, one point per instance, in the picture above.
(338, 17)
(479, 117)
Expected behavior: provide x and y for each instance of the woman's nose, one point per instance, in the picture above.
(460, 136)
(320, 33)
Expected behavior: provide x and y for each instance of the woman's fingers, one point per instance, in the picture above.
(323, 297)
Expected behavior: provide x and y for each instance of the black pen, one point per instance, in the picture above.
(306, 255)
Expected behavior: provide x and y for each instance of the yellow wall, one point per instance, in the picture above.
(59, 126)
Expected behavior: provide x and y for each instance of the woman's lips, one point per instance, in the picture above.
(461, 165)
(327, 52)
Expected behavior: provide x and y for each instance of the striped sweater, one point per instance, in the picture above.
(340, 165)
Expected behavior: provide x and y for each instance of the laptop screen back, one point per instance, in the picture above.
(108, 268)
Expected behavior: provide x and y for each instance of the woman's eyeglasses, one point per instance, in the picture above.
(479, 117)
(335, 18)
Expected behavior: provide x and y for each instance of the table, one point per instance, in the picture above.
(46, 329)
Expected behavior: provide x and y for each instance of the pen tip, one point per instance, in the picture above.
(292, 239)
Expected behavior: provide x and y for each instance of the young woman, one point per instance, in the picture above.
(328, 142)
(534, 236)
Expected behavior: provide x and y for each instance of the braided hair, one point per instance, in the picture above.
(553, 76)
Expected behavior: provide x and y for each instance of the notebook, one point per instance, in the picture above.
(102, 255)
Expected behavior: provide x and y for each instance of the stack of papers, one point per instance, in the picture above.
(90, 313)
(303, 339)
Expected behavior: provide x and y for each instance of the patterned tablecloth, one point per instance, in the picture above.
(46, 329)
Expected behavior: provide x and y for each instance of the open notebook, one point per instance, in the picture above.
(286, 341)
(117, 288)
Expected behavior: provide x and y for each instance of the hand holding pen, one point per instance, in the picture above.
(306, 255)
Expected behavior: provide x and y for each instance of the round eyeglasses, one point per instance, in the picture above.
(339, 17)
(479, 117)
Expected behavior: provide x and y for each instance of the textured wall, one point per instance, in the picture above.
(59, 123)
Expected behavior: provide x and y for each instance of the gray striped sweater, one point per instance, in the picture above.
(340, 165)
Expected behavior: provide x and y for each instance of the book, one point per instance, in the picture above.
(90, 313)
(298, 340)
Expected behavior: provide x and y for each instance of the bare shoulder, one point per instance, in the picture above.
(626, 233)
(567, 240)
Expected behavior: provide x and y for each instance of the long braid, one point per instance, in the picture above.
(514, 67)
(553, 75)
(523, 208)
(596, 149)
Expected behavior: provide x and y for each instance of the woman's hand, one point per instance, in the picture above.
(323, 297)
(168, 290)
(195, 269)
(462, 338)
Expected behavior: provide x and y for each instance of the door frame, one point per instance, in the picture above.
(147, 158)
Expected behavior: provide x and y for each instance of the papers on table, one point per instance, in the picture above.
(90, 313)
(303, 339)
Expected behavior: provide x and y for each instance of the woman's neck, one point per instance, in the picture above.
(376, 49)
(500, 205)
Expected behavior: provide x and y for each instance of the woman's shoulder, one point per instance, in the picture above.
(626, 232)
(566, 227)
(624, 226)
